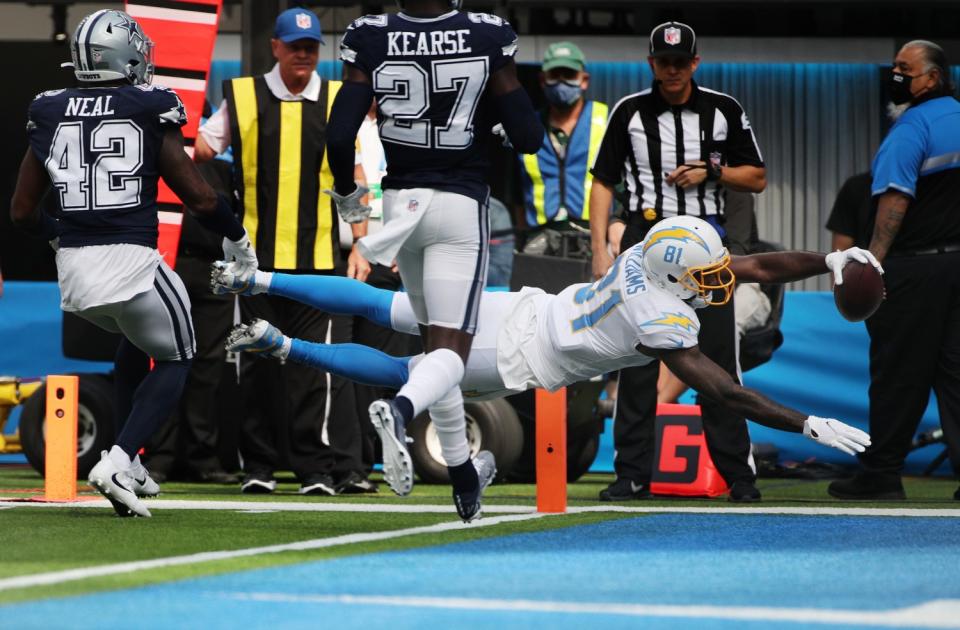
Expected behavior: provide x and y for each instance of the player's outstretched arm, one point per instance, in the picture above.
(790, 266)
(696, 370)
(346, 116)
(515, 110)
(25, 212)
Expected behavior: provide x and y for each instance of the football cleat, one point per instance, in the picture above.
(231, 277)
(469, 505)
(117, 487)
(397, 464)
(259, 336)
(142, 484)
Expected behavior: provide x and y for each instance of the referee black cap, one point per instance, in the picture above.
(673, 39)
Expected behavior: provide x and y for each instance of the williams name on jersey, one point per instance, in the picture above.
(429, 76)
(100, 147)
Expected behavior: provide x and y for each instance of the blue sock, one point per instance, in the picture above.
(406, 408)
(130, 366)
(336, 294)
(464, 478)
(359, 363)
(153, 403)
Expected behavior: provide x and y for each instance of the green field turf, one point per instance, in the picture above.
(37, 540)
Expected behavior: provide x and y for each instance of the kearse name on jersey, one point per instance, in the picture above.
(88, 106)
(407, 44)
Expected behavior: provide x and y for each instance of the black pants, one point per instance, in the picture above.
(387, 340)
(914, 346)
(633, 429)
(287, 411)
(189, 441)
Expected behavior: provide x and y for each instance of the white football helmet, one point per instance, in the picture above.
(685, 257)
(109, 45)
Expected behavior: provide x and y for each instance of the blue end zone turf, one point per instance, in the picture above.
(817, 564)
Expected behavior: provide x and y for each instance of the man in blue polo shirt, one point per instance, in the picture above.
(556, 180)
(915, 335)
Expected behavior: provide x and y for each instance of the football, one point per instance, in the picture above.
(861, 292)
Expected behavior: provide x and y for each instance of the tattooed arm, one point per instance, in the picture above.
(891, 209)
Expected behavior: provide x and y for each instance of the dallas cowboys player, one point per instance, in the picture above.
(103, 146)
(641, 310)
(441, 78)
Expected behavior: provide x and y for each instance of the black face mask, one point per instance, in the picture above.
(899, 86)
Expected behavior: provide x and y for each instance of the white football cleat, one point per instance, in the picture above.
(232, 277)
(259, 336)
(142, 483)
(397, 464)
(469, 506)
(117, 487)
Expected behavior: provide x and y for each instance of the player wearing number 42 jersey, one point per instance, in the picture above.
(643, 309)
(442, 80)
(103, 146)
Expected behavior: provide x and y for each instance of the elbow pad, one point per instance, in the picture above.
(346, 116)
(520, 121)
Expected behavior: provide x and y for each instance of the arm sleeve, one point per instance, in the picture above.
(216, 131)
(741, 144)
(520, 120)
(897, 164)
(609, 165)
(346, 116)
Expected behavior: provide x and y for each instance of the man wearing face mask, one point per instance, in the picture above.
(915, 334)
(556, 180)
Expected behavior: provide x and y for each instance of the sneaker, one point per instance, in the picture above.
(259, 336)
(356, 483)
(258, 482)
(142, 482)
(625, 490)
(469, 506)
(231, 277)
(868, 487)
(318, 485)
(117, 487)
(744, 492)
(397, 465)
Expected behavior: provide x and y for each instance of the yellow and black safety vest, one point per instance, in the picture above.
(281, 170)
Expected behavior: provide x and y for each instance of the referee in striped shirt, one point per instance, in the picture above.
(675, 146)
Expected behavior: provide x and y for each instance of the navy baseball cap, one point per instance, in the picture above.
(673, 39)
(294, 24)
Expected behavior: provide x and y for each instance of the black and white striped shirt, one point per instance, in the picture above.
(647, 138)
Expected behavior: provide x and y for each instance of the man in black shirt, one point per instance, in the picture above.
(850, 220)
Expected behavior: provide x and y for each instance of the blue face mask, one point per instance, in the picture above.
(562, 94)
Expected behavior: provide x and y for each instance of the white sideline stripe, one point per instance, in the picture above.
(412, 508)
(943, 613)
(174, 15)
(70, 575)
(180, 83)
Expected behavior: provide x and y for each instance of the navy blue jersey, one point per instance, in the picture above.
(100, 147)
(430, 78)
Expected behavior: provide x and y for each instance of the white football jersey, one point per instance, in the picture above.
(591, 329)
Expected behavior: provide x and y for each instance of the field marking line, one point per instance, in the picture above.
(424, 508)
(69, 575)
(943, 613)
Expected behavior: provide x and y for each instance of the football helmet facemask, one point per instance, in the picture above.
(685, 257)
(109, 45)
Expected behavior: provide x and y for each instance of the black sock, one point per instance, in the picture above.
(406, 408)
(130, 366)
(464, 478)
(153, 403)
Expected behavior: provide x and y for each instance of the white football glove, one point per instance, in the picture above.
(831, 432)
(499, 131)
(350, 207)
(837, 260)
(241, 252)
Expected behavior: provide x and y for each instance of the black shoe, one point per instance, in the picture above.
(216, 476)
(744, 492)
(356, 483)
(318, 484)
(258, 482)
(157, 476)
(625, 490)
(868, 487)
(956, 495)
